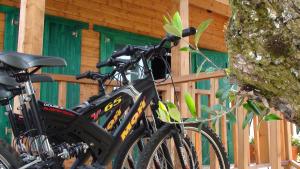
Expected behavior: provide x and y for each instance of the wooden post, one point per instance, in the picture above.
(181, 59)
(224, 132)
(275, 144)
(235, 144)
(263, 143)
(31, 31)
(62, 93)
(214, 86)
(243, 140)
(256, 141)
(198, 137)
(287, 140)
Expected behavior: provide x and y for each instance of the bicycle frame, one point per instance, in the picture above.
(62, 125)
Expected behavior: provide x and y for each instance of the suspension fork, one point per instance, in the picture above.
(178, 137)
(12, 120)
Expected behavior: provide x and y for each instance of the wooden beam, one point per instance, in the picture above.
(257, 143)
(243, 140)
(31, 26)
(62, 93)
(263, 143)
(217, 6)
(194, 77)
(287, 140)
(181, 59)
(214, 86)
(31, 31)
(275, 144)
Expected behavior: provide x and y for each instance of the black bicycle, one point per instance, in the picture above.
(53, 134)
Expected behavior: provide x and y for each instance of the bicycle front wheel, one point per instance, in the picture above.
(163, 151)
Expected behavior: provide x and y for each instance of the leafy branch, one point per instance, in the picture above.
(169, 112)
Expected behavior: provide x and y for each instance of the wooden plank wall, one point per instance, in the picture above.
(2, 21)
(89, 58)
(137, 16)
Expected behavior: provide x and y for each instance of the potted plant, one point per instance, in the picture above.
(295, 147)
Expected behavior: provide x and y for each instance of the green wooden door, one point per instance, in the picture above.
(10, 44)
(221, 60)
(62, 38)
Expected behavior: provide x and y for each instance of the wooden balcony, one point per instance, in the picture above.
(272, 141)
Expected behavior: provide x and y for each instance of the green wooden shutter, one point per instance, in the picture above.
(10, 44)
(221, 60)
(112, 39)
(62, 38)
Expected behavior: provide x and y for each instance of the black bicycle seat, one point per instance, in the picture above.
(25, 61)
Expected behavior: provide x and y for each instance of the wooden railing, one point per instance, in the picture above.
(272, 141)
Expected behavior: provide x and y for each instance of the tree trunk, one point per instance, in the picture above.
(263, 39)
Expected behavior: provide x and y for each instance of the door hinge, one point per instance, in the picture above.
(75, 34)
(14, 22)
(8, 131)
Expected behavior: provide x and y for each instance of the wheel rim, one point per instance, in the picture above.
(159, 156)
(3, 163)
(131, 159)
(211, 142)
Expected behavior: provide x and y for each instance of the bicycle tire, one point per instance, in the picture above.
(157, 139)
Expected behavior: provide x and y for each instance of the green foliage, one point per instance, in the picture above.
(191, 104)
(163, 113)
(271, 117)
(296, 142)
(248, 119)
(201, 28)
(174, 112)
(231, 117)
(228, 93)
(173, 27)
(169, 113)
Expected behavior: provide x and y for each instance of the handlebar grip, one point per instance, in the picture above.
(188, 32)
(82, 75)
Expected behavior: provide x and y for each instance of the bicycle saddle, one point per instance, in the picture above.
(25, 61)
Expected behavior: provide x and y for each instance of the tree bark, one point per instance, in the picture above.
(263, 38)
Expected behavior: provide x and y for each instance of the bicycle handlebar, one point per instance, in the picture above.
(131, 50)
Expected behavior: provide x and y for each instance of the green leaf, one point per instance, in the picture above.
(185, 49)
(174, 112)
(227, 71)
(219, 93)
(177, 23)
(247, 119)
(247, 107)
(190, 103)
(271, 117)
(231, 117)
(201, 28)
(172, 30)
(166, 20)
(254, 107)
(163, 116)
(162, 106)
